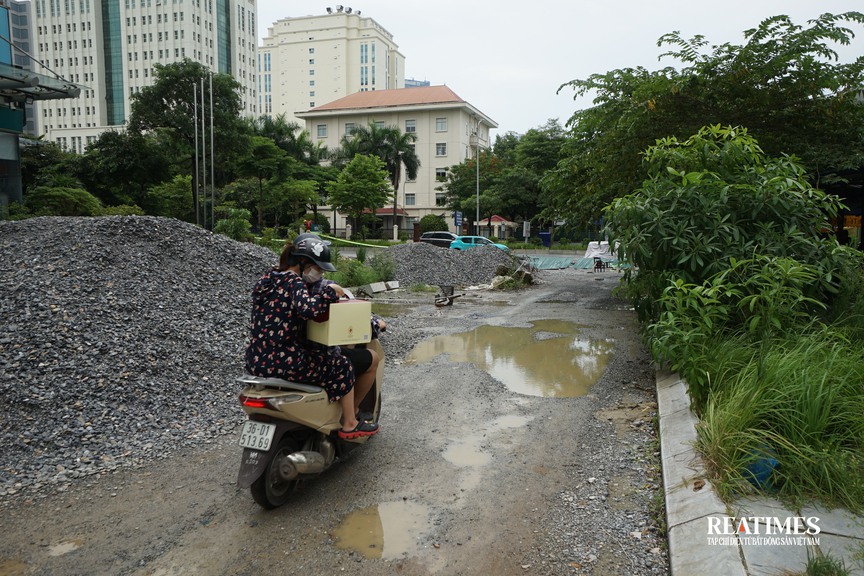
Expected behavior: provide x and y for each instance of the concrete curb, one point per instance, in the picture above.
(690, 499)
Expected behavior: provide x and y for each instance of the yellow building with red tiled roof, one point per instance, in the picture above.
(448, 129)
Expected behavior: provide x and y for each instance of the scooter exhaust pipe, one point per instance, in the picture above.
(304, 462)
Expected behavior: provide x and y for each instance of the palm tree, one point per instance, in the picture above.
(289, 137)
(392, 146)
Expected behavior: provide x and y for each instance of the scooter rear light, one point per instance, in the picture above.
(253, 402)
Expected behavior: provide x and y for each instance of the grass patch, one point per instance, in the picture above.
(798, 400)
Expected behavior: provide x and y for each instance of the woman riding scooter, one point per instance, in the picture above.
(365, 361)
(277, 345)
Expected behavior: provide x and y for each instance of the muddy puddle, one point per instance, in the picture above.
(387, 531)
(391, 309)
(13, 567)
(549, 359)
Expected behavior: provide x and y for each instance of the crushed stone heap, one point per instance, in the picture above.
(120, 341)
(421, 263)
(121, 338)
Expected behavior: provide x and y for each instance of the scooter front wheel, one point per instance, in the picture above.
(271, 490)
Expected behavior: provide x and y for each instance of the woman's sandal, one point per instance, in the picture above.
(363, 428)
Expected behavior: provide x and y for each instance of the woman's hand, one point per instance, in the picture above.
(338, 289)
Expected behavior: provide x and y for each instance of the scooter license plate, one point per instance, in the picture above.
(257, 435)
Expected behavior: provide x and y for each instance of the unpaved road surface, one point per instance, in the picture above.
(466, 477)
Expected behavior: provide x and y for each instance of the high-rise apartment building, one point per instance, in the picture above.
(308, 61)
(110, 47)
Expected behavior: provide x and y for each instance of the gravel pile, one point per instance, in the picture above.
(122, 336)
(120, 342)
(421, 263)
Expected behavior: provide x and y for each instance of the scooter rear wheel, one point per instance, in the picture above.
(270, 490)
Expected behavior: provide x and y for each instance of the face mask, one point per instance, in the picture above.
(312, 275)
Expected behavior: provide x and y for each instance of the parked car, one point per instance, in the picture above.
(438, 238)
(466, 242)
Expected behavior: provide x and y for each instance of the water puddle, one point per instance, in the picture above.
(65, 547)
(548, 359)
(390, 309)
(12, 567)
(468, 450)
(386, 531)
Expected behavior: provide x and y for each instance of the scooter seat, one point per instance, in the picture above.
(249, 380)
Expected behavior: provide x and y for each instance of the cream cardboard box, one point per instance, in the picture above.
(347, 322)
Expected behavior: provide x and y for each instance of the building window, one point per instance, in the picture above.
(311, 50)
(379, 124)
(311, 61)
(349, 128)
(410, 126)
(311, 93)
(440, 199)
(322, 130)
(440, 124)
(410, 200)
(440, 174)
(311, 72)
(441, 149)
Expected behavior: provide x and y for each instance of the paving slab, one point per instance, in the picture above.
(690, 553)
(677, 432)
(848, 550)
(837, 521)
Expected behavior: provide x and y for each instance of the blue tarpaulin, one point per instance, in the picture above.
(561, 262)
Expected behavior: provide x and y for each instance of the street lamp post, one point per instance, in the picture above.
(477, 162)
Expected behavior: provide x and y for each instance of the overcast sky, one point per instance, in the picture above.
(509, 58)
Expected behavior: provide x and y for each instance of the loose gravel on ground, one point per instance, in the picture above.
(122, 336)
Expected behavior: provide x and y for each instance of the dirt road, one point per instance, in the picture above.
(467, 476)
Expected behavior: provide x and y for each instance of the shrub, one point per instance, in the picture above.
(432, 223)
(234, 224)
(711, 199)
(123, 210)
(383, 265)
(62, 202)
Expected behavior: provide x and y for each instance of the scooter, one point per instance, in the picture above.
(291, 434)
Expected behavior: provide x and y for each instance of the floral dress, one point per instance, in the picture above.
(278, 347)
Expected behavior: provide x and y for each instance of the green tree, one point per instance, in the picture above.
(290, 138)
(169, 107)
(47, 164)
(784, 84)
(714, 199)
(173, 199)
(290, 198)
(392, 146)
(119, 167)
(461, 184)
(361, 188)
(261, 161)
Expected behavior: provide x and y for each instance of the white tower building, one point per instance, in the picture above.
(312, 60)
